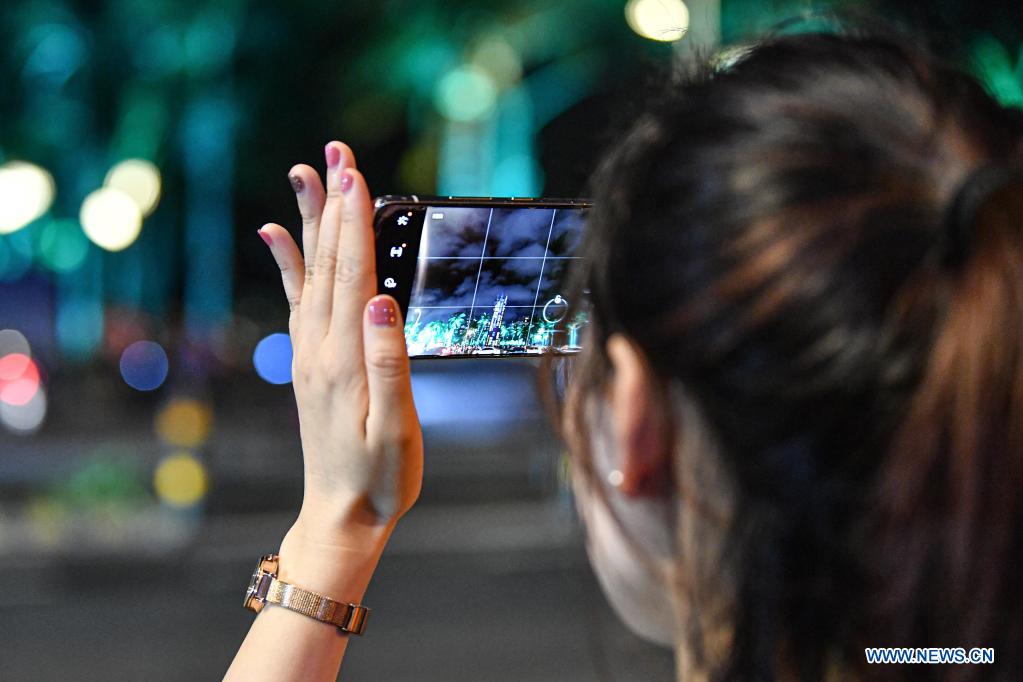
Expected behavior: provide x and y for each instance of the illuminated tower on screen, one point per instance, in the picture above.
(496, 319)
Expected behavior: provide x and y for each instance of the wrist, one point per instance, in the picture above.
(339, 565)
(343, 514)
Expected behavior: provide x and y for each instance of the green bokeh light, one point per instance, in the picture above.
(62, 245)
(104, 479)
(466, 94)
(994, 66)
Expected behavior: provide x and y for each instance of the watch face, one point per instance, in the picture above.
(250, 591)
(255, 593)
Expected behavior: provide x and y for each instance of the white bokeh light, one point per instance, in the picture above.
(111, 219)
(24, 419)
(139, 179)
(13, 341)
(663, 20)
(26, 192)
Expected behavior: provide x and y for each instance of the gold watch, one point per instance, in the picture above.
(265, 588)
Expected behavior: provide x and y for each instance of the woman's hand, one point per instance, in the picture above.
(361, 439)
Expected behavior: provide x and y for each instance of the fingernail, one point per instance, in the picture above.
(265, 236)
(296, 183)
(382, 312)
(333, 155)
(346, 181)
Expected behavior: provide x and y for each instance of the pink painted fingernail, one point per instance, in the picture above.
(382, 312)
(346, 181)
(333, 155)
(265, 236)
(296, 183)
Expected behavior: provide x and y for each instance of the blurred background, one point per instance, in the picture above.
(149, 450)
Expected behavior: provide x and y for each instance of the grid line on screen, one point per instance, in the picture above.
(486, 235)
(539, 281)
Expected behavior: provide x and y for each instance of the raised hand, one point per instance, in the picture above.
(361, 439)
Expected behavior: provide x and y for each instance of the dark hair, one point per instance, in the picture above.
(771, 234)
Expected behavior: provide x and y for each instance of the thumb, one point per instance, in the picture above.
(387, 364)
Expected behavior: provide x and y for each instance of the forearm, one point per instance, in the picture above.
(283, 645)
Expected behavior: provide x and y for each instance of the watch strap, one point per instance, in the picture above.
(349, 618)
(264, 588)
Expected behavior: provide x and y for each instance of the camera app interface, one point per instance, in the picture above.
(489, 282)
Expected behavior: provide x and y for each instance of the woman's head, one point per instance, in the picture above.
(796, 366)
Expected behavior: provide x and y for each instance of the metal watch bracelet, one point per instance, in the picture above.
(264, 588)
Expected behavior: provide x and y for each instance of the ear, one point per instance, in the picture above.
(640, 428)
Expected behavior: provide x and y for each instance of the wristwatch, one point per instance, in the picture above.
(264, 588)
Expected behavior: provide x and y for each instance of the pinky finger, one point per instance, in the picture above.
(289, 260)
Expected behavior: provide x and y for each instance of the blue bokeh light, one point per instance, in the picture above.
(144, 365)
(272, 359)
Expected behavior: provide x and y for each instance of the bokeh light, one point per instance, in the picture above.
(60, 51)
(517, 176)
(184, 422)
(62, 245)
(26, 192)
(19, 379)
(139, 179)
(180, 480)
(466, 93)
(500, 60)
(664, 20)
(13, 366)
(13, 341)
(272, 359)
(111, 219)
(144, 365)
(27, 418)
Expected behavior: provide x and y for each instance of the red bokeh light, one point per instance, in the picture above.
(19, 379)
(13, 365)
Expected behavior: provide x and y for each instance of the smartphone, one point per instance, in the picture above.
(481, 276)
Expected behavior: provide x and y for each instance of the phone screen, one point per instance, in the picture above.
(477, 280)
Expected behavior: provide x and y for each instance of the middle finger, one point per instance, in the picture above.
(355, 281)
(320, 285)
